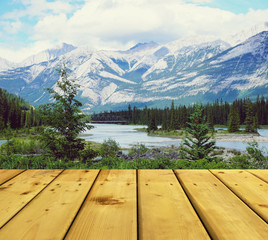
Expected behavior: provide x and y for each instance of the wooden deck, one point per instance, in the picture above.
(133, 204)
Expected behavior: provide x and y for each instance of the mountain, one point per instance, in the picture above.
(5, 64)
(239, 71)
(48, 54)
(187, 70)
(242, 36)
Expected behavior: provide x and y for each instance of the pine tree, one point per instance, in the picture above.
(176, 120)
(233, 120)
(152, 121)
(210, 119)
(65, 119)
(164, 122)
(197, 144)
(183, 117)
(250, 128)
(172, 117)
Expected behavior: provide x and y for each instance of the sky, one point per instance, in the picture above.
(30, 26)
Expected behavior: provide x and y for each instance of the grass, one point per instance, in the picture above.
(27, 152)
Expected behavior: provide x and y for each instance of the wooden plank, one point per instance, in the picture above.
(110, 211)
(6, 174)
(260, 173)
(223, 213)
(252, 190)
(17, 192)
(164, 210)
(51, 213)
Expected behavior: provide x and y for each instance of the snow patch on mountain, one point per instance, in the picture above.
(107, 92)
(242, 36)
(34, 71)
(48, 54)
(252, 45)
(177, 45)
(112, 76)
(157, 68)
(5, 64)
(91, 95)
(119, 97)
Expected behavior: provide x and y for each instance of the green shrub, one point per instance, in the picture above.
(234, 151)
(240, 161)
(201, 164)
(257, 155)
(109, 148)
(23, 146)
(87, 154)
(138, 149)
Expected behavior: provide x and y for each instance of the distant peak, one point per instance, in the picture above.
(142, 46)
(62, 46)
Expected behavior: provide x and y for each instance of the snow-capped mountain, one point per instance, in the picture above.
(242, 36)
(48, 54)
(186, 70)
(240, 71)
(5, 64)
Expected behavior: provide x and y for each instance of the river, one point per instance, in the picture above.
(127, 136)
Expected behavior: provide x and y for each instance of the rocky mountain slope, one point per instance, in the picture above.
(187, 70)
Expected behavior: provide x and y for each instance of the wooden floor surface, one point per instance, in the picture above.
(133, 204)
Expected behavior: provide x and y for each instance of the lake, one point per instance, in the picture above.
(127, 136)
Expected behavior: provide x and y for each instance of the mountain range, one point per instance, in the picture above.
(196, 69)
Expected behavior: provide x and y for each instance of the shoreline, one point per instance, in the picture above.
(239, 138)
(220, 137)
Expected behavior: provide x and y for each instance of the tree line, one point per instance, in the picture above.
(241, 111)
(16, 112)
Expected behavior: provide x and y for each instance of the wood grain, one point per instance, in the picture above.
(252, 190)
(164, 210)
(17, 192)
(223, 213)
(260, 173)
(6, 174)
(51, 213)
(109, 212)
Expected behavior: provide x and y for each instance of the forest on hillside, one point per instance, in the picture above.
(175, 117)
(16, 112)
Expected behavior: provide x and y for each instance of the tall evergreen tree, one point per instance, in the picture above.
(250, 127)
(183, 117)
(152, 122)
(197, 144)
(210, 119)
(172, 117)
(65, 119)
(233, 120)
(164, 122)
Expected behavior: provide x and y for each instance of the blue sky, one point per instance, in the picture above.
(238, 6)
(30, 26)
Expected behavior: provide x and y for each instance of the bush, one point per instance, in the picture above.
(23, 146)
(138, 149)
(234, 151)
(201, 164)
(109, 148)
(253, 158)
(240, 162)
(257, 156)
(87, 154)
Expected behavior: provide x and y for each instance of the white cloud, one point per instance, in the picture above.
(24, 52)
(200, 1)
(116, 24)
(124, 20)
(39, 8)
(11, 27)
